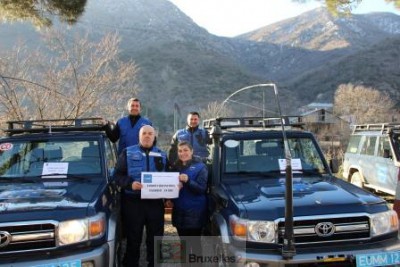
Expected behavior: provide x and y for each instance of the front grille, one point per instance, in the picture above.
(312, 230)
(26, 237)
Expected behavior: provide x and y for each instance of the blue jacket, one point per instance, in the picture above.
(128, 135)
(190, 209)
(139, 160)
(197, 137)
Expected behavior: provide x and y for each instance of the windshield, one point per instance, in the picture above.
(47, 158)
(267, 155)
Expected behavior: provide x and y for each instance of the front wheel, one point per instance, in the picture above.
(357, 180)
(119, 249)
(221, 253)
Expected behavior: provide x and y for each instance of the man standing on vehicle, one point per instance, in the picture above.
(139, 213)
(127, 128)
(197, 137)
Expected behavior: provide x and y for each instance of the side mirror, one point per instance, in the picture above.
(386, 153)
(334, 165)
(221, 198)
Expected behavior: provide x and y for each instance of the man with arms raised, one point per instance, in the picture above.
(127, 128)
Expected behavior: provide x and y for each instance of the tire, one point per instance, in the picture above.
(119, 250)
(357, 180)
(221, 252)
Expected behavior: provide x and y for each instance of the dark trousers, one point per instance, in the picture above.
(137, 214)
(194, 239)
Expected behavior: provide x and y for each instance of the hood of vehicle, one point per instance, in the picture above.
(264, 199)
(16, 197)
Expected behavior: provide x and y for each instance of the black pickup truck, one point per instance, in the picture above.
(58, 203)
(275, 202)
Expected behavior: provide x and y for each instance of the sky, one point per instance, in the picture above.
(234, 17)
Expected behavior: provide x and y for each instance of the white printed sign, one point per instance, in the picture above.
(56, 168)
(296, 165)
(160, 185)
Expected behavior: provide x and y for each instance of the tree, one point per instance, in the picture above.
(364, 104)
(41, 12)
(66, 79)
(215, 109)
(345, 7)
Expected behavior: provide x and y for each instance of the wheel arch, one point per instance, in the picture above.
(219, 224)
(352, 170)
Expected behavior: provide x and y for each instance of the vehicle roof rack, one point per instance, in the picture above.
(246, 122)
(377, 127)
(54, 125)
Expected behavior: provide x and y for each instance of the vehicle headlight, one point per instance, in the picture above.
(256, 231)
(384, 222)
(75, 231)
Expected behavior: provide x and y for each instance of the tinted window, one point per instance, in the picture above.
(396, 145)
(384, 144)
(110, 156)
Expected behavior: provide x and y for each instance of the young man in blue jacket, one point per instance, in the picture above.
(197, 137)
(126, 130)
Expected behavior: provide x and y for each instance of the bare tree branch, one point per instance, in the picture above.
(68, 78)
(364, 104)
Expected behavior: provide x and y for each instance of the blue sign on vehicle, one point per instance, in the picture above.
(74, 263)
(378, 259)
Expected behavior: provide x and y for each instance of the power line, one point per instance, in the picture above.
(34, 83)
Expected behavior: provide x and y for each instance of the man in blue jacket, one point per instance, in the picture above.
(197, 137)
(139, 213)
(127, 128)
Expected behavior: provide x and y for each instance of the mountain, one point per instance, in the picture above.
(377, 67)
(181, 63)
(311, 40)
(319, 30)
(188, 63)
(315, 52)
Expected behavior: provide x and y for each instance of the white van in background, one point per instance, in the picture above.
(372, 157)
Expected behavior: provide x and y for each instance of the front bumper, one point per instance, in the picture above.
(96, 257)
(335, 256)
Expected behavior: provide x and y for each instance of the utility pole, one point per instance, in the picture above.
(177, 117)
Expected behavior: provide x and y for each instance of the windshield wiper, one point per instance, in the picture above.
(19, 179)
(312, 172)
(62, 177)
(260, 174)
(273, 173)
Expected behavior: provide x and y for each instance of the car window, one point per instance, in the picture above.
(384, 147)
(368, 147)
(111, 159)
(268, 155)
(353, 144)
(371, 145)
(396, 145)
(35, 158)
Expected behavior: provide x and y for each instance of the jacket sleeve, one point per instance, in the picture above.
(112, 132)
(121, 176)
(198, 185)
